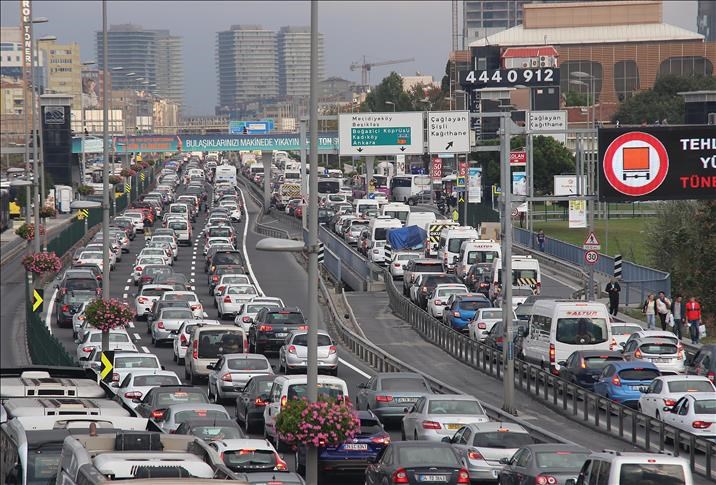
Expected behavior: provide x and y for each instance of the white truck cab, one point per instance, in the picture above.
(476, 251)
(526, 274)
(377, 236)
(451, 239)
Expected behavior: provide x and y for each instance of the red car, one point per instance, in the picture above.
(298, 212)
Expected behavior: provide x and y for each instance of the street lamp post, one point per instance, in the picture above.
(392, 104)
(83, 128)
(105, 172)
(33, 122)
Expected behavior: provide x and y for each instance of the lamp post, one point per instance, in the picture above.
(105, 172)
(33, 122)
(392, 104)
(83, 128)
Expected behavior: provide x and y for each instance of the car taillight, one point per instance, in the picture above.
(332, 349)
(87, 349)
(138, 268)
(115, 377)
(160, 324)
(183, 341)
(438, 302)
(613, 344)
(214, 278)
(258, 402)
(431, 425)
(456, 314)
(712, 376)
(381, 440)
(669, 403)
(616, 381)
(400, 476)
(680, 353)
(545, 480)
(474, 455)
(583, 363)
(484, 285)
(219, 289)
(303, 327)
(265, 328)
(281, 465)
(133, 395)
(196, 307)
(227, 299)
(291, 349)
(637, 353)
(463, 477)
(482, 325)
(383, 398)
(158, 414)
(397, 265)
(246, 319)
(700, 424)
(226, 377)
(65, 308)
(283, 401)
(552, 354)
(195, 350)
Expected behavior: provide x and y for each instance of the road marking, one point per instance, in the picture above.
(145, 350)
(193, 273)
(126, 288)
(193, 288)
(131, 324)
(124, 296)
(354, 368)
(129, 280)
(50, 307)
(137, 337)
(246, 253)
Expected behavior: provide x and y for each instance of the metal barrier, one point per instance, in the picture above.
(44, 347)
(569, 399)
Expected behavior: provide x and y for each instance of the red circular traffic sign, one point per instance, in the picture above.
(635, 163)
(591, 257)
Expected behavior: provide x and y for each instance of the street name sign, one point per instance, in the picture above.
(448, 131)
(381, 133)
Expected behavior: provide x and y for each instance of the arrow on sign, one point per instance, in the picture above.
(402, 149)
(449, 145)
(359, 149)
(36, 300)
(106, 366)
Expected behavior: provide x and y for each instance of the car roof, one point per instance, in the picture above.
(557, 447)
(244, 356)
(382, 375)
(644, 334)
(683, 377)
(634, 364)
(491, 426)
(195, 422)
(597, 353)
(196, 405)
(243, 443)
(451, 397)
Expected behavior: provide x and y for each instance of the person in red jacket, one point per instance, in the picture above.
(693, 316)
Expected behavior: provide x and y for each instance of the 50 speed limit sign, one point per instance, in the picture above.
(591, 257)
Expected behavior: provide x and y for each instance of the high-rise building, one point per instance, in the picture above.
(706, 19)
(247, 66)
(11, 56)
(154, 56)
(64, 70)
(294, 60)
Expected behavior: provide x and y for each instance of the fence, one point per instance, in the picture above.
(570, 400)
(44, 347)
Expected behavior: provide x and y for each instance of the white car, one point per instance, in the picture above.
(249, 455)
(694, 413)
(148, 294)
(188, 296)
(230, 299)
(665, 391)
(484, 320)
(622, 331)
(137, 384)
(99, 248)
(440, 295)
(127, 362)
(163, 245)
(659, 347)
(137, 219)
(142, 262)
(156, 253)
(398, 262)
(213, 241)
(230, 279)
(248, 311)
(91, 257)
(168, 239)
(180, 337)
(118, 340)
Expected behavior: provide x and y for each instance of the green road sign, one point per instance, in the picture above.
(392, 136)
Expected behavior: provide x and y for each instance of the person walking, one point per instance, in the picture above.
(693, 316)
(677, 310)
(663, 304)
(541, 240)
(649, 309)
(613, 290)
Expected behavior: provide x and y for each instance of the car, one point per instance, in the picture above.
(251, 401)
(496, 336)
(623, 330)
(215, 275)
(118, 340)
(178, 280)
(94, 268)
(231, 372)
(249, 455)
(152, 247)
(388, 394)
(417, 462)
(621, 467)
(230, 300)
(415, 267)
(230, 279)
(124, 363)
(212, 251)
(78, 321)
(180, 337)
(438, 298)
(623, 382)
(153, 404)
(188, 296)
(665, 391)
(694, 413)
(524, 311)
(271, 326)
(213, 429)
(159, 305)
(82, 279)
(429, 282)
(293, 355)
(216, 241)
(583, 367)
(398, 262)
(292, 205)
(543, 464)
(482, 322)
(703, 363)
(436, 416)
(248, 312)
(477, 278)
(140, 381)
(207, 343)
(460, 309)
(70, 303)
(144, 261)
(352, 456)
(483, 445)
(166, 238)
(91, 257)
(660, 347)
(148, 294)
(168, 320)
(423, 197)
(99, 247)
(152, 273)
(174, 415)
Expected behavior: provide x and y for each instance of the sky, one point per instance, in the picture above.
(380, 30)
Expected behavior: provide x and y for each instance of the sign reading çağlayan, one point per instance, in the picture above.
(500, 78)
(657, 163)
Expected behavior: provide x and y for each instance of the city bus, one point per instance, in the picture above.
(402, 187)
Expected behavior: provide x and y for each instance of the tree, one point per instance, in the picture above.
(575, 98)
(662, 101)
(420, 97)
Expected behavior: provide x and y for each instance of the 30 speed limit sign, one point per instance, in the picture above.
(591, 257)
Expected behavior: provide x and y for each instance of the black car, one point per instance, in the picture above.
(271, 327)
(428, 284)
(151, 271)
(561, 462)
(417, 462)
(158, 399)
(70, 303)
(252, 400)
(325, 215)
(93, 267)
(422, 197)
(79, 281)
(495, 337)
(227, 258)
(211, 429)
(584, 366)
(215, 275)
(703, 363)
(177, 280)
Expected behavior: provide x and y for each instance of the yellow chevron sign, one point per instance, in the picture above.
(106, 365)
(127, 187)
(141, 176)
(37, 300)
(82, 214)
(526, 282)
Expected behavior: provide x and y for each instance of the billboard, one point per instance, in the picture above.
(657, 163)
(90, 89)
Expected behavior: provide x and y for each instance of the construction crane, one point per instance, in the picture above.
(365, 68)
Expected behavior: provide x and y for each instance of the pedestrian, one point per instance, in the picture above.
(613, 290)
(541, 240)
(649, 309)
(677, 310)
(693, 316)
(663, 305)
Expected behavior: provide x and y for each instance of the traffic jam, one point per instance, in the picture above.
(192, 388)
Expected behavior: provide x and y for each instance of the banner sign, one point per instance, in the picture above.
(507, 78)
(91, 145)
(657, 163)
(436, 169)
(519, 183)
(148, 143)
(577, 213)
(474, 185)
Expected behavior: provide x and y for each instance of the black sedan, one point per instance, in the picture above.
(70, 303)
(584, 366)
(417, 462)
(252, 400)
(703, 363)
(211, 429)
(544, 463)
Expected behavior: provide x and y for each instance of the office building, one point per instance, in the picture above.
(294, 60)
(247, 66)
(11, 56)
(706, 19)
(64, 70)
(154, 56)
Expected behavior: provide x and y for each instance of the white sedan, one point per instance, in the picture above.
(665, 391)
(484, 320)
(168, 239)
(91, 257)
(694, 413)
(156, 253)
(118, 340)
(230, 300)
(248, 312)
(438, 299)
(141, 263)
(188, 296)
(144, 301)
(213, 241)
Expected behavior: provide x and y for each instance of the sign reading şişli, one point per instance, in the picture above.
(381, 133)
(657, 163)
(503, 78)
(448, 131)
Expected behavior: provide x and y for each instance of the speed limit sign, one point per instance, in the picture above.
(515, 212)
(591, 257)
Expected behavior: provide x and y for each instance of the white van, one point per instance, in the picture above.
(377, 236)
(396, 210)
(294, 387)
(559, 327)
(363, 204)
(182, 229)
(526, 275)
(420, 219)
(476, 251)
(450, 242)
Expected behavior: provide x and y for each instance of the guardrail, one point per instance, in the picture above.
(594, 410)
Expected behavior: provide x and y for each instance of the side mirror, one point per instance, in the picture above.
(446, 439)
(205, 315)
(562, 363)
(504, 461)
(164, 368)
(622, 344)
(210, 366)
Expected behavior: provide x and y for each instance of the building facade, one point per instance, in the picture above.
(11, 57)
(294, 61)
(706, 19)
(64, 70)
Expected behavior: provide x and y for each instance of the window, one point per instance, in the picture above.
(455, 407)
(523, 459)
(604, 470)
(626, 79)
(686, 66)
(655, 474)
(581, 331)
(589, 67)
(403, 384)
(502, 440)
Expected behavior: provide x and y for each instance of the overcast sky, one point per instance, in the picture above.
(380, 30)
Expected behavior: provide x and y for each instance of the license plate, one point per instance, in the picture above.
(433, 478)
(405, 399)
(453, 426)
(495, 473)
(281, 334)
(641, 388)
(661, 361)
(355, 446)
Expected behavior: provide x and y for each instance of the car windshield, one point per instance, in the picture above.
(134, 362)
(658, 348)
(114, 337)
(473, 305)
(79, 297)
(91, 255)
(227, 258)
(150, 260)
(652, 473)
(249, 458)
(582, 331)
(491, 314)
(165, 399)
(427, 456)
(258, 306)
(235, 279)
(247, 364)
(302, 340)
(153, 291)
(639, 374)
(154, 380)
(455, 407)
(600, 361)
(403, 384)
(454, 244)
(179, 297)
(562, 459)
(327, 390)
(213, 342)
(182, 416)
(481, 256)
(178, 225)
(210, 433)
(370, 426)
(285, 318)
(690, 385)
(705, 406)
(625, 329)
(428, 267)
(502, 439)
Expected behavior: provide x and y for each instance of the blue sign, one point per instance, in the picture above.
(371, 195)
(250, 127)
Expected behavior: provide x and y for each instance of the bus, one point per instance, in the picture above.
(360, 190)
(402, 187)
(226, 173)
(328, 186)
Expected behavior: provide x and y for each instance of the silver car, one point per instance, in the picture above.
(168, 320)
(388, 394)
(230, 300)
(293, 355)
(231, 372)
(176, 414)
(434, 417)
(148, 294)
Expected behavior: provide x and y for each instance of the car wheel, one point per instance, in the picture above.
(258, 349)
(193, 379)
(180, 360)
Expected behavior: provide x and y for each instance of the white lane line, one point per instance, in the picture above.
(50, 307)
(193, 273)
(137, 337)
(126, 288)
(124, 296)
(193, 288)
(246, 253)
(129, 280)
(145, 350)
(131, 324)
(354, 368)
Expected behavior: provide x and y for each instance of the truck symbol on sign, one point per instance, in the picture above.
(635, 161)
